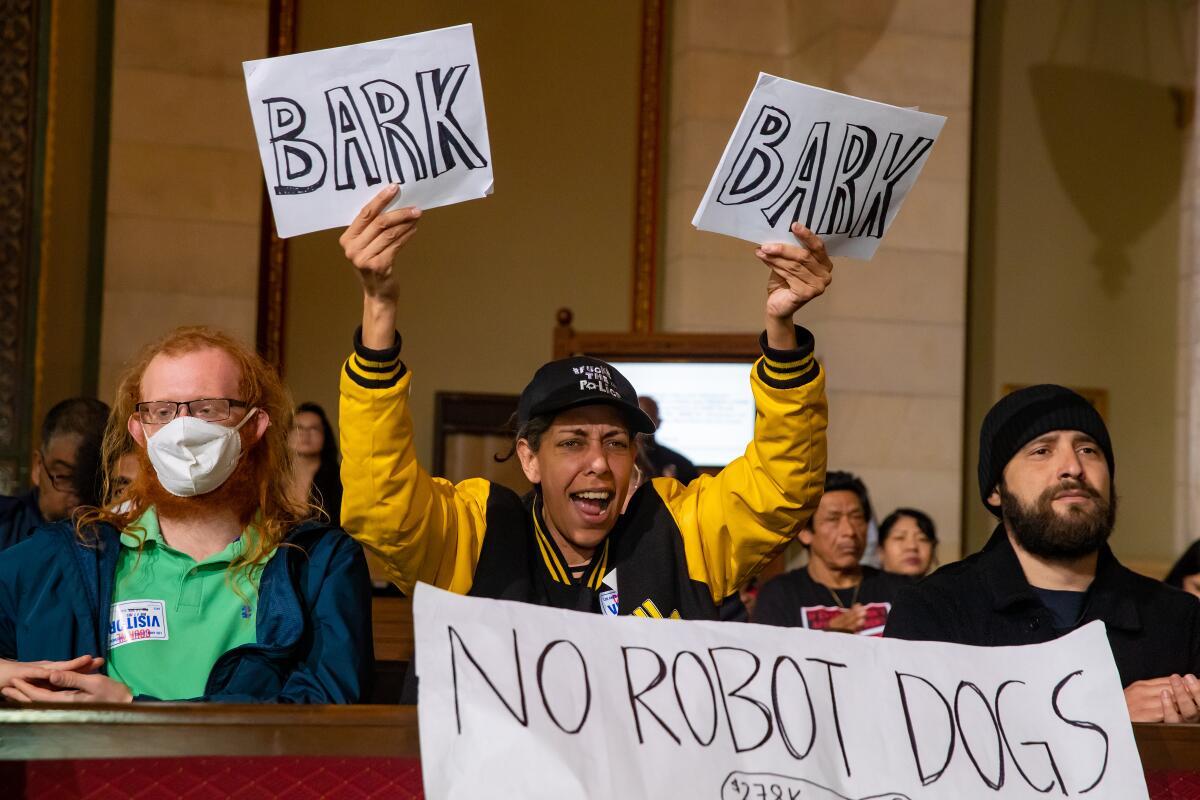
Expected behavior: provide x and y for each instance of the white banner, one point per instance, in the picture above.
(334, 126)
(524, 701)
(839, 165)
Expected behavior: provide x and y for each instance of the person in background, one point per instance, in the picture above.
(205, 581)
(907, 542)
(1186, 572)
(664, 462)
(834, 591)
(66, 470)
(315, 461)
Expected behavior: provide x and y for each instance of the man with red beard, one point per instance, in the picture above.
(1046, 470)
(207, 581)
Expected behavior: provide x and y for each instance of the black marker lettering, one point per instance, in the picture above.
(523, 717)
(1013, 755)
(812, 713)
(926, 777)
(683, 707)
(389, 105)
(858, 150)
(758, 166)
(891, 168)
(635, 698)
(837, 722)
(1089, 726)
(349, 134)
(587, 686)
(805, 185)
(998, 781)
(445, 137)
(296, 159)
(762, 707)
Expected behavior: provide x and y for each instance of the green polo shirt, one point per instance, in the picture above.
(172, 616)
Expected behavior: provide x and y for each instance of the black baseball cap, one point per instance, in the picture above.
(580, 381)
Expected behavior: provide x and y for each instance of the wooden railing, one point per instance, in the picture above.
(163, 730)
(175, 749)
(159, 730)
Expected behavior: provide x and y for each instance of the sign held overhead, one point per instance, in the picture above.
(334, 125)
(839, 165)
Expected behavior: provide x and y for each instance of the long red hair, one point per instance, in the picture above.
(260, 387)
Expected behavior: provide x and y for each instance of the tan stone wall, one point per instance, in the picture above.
(891, 332)
(185, 184)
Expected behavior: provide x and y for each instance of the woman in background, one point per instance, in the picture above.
(315, 476)
(907, 542)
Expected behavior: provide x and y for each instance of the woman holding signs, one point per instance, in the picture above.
(676, 551)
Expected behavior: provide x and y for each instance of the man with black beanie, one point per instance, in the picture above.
(1046, 471)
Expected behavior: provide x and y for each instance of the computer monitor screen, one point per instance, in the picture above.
(706, 408)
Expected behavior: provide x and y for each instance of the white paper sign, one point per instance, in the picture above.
(524, 701)
(839, 165)
(335, 126)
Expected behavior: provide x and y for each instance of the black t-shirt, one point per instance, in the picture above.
(1065, 607)
(795, 600)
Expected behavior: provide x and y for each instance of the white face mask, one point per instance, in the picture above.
(192, 456)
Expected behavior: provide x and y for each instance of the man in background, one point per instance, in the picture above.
(834, 591)
(665, 462)
(66, 470)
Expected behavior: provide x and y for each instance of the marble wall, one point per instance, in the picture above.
(185, 183)
(891, 332)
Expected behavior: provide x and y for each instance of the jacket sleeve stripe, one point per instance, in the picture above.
(375, 382)
(788, 369)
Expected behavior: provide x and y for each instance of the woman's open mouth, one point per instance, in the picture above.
(592, 504)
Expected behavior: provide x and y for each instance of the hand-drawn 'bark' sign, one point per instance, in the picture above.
(524, 701)
(335, 125)
(836, 164)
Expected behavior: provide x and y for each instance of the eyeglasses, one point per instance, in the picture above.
(209, 409)
(64, 483)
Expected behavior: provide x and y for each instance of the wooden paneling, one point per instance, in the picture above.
(393, 624)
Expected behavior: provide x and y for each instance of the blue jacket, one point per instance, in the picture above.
(19, 517)
(313, 642)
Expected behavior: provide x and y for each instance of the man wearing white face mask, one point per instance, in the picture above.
(206, 582)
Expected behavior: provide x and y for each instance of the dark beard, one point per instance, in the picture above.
(240, 491)
(1042, 531)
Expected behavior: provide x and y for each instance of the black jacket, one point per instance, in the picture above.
(795, 600)
(1153, 630)
(19, 516)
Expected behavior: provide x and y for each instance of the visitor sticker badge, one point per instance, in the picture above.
(610, 602)
(136, 621)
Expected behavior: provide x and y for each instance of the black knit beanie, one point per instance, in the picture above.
(1023, 416)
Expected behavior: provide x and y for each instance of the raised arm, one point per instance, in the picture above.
(422, 528)
(735, 522)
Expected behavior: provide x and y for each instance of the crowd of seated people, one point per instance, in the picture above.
(222, 509)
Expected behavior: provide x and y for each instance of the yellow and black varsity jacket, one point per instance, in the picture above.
(677, 551)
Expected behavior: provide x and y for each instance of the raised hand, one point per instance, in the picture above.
(370, 244)
(799, 272)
